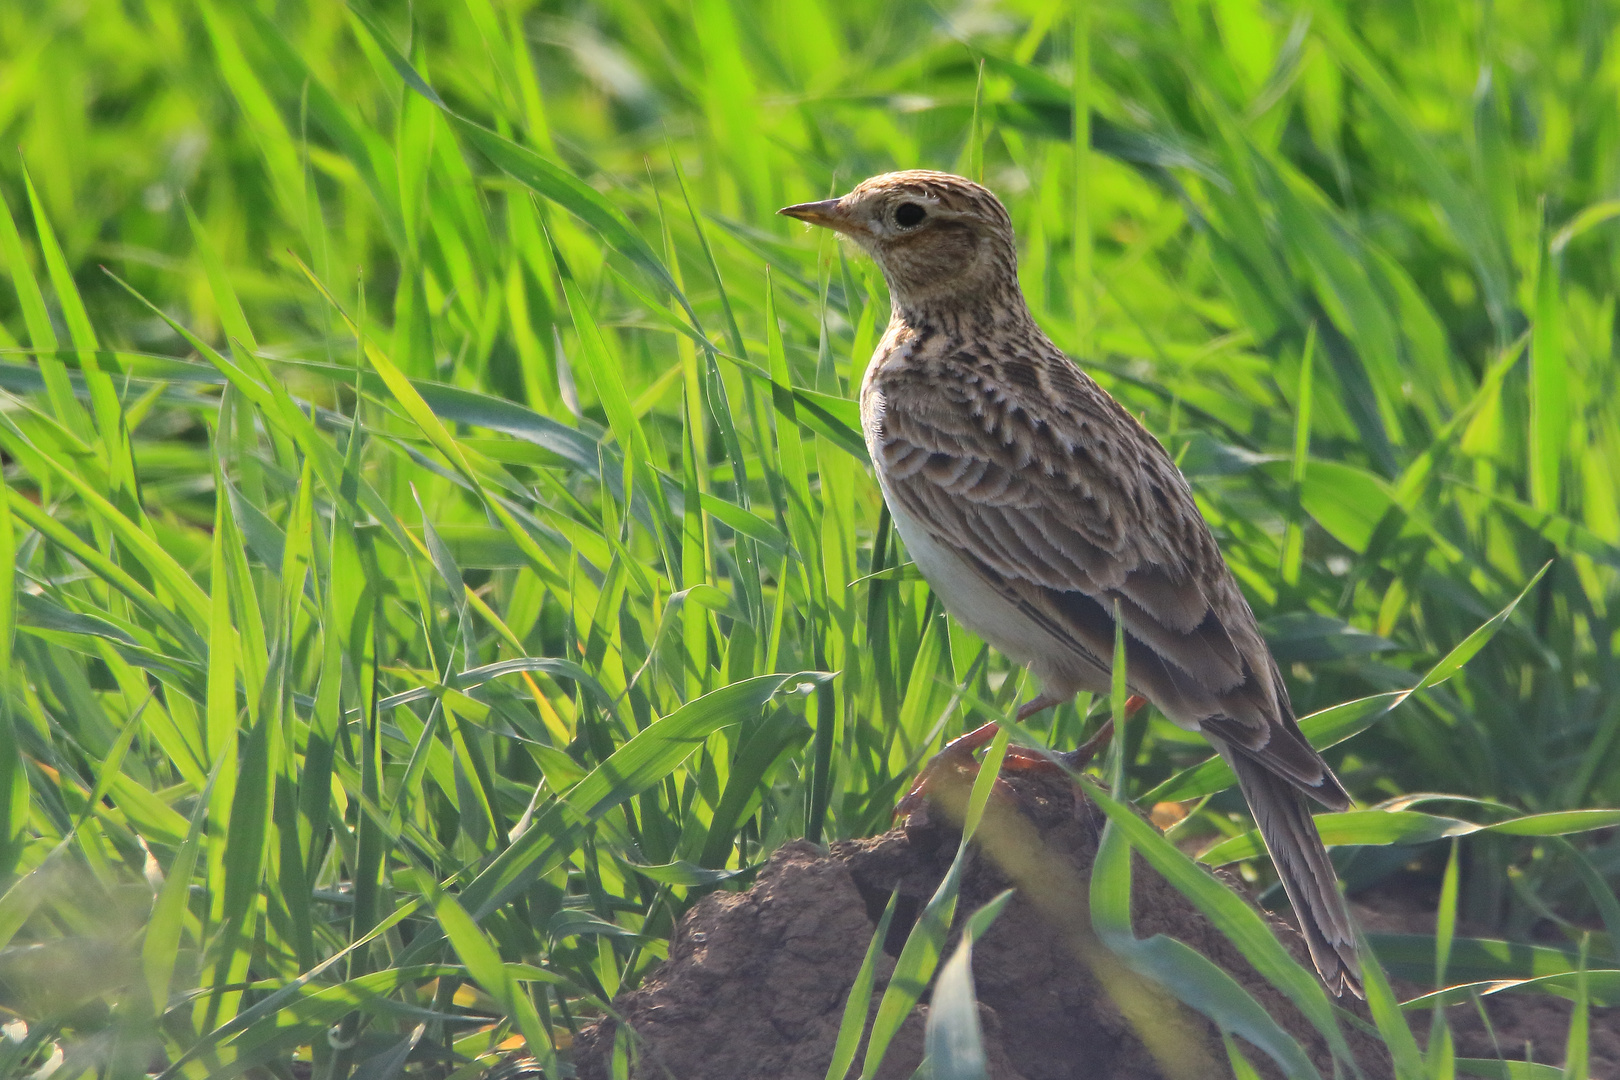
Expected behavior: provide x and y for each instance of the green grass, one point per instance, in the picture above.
(434, 489)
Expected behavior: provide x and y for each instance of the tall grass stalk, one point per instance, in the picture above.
(438, 545)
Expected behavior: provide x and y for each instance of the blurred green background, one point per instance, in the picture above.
(382, 460)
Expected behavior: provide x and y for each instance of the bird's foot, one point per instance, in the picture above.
(955, 765)
(1078, 758)
(956, 759)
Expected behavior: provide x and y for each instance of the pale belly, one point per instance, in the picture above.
(967, 596)
(970, 599)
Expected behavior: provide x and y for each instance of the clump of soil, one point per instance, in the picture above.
(756, 982)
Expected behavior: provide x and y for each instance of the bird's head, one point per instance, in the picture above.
(939, 239)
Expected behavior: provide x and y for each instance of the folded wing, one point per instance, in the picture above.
(1072, 511)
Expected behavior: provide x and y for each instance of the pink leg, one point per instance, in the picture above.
(1079, 758)
(1036, 704)
(958, 753)
(1074, 760)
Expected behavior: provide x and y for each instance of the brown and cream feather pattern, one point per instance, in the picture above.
(1036, 506)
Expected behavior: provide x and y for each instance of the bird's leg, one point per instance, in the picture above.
(958, 753)
(1040, 701)
(1072, 760)
(1081, 756)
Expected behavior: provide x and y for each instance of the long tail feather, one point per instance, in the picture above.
(1283, 815)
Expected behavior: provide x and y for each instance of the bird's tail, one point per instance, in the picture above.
(1284, 817)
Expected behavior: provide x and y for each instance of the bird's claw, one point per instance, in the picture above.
(960, 759)
(955, 757)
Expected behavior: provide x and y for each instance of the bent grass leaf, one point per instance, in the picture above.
(856, 1006)
(953, 1039)
(1187, 974)
(1337, 723)
(279, 997)
(1493, 1069)
(919, 956)
(472, 678)
(915, 967)
(1602, 988)
(652, 753)
(312, 1012)
(1589, 218)
(1413, 827)
(1386, 1013)
(681, 872)
(1241, 924)
(1414, 956)
(643, 761)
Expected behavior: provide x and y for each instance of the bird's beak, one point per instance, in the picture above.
(828, 213)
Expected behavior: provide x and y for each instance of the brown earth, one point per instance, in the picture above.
(1523, 1027)
(756, 982)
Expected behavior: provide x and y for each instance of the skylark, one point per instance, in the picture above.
(1036, 506)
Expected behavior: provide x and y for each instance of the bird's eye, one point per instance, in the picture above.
(908, 215)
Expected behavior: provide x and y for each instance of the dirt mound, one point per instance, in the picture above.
(756, 982)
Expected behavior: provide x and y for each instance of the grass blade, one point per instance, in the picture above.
(859, 1001)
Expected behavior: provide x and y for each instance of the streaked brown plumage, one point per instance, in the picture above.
(1033, 503)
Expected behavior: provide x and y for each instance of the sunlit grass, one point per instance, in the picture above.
(443, 543)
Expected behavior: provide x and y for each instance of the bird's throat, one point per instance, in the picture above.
(946, 318)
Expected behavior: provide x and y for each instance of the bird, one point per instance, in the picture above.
(1037, 507)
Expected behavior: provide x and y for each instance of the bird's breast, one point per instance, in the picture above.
(966, 594)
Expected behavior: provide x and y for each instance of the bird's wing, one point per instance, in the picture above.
(1062, 502)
